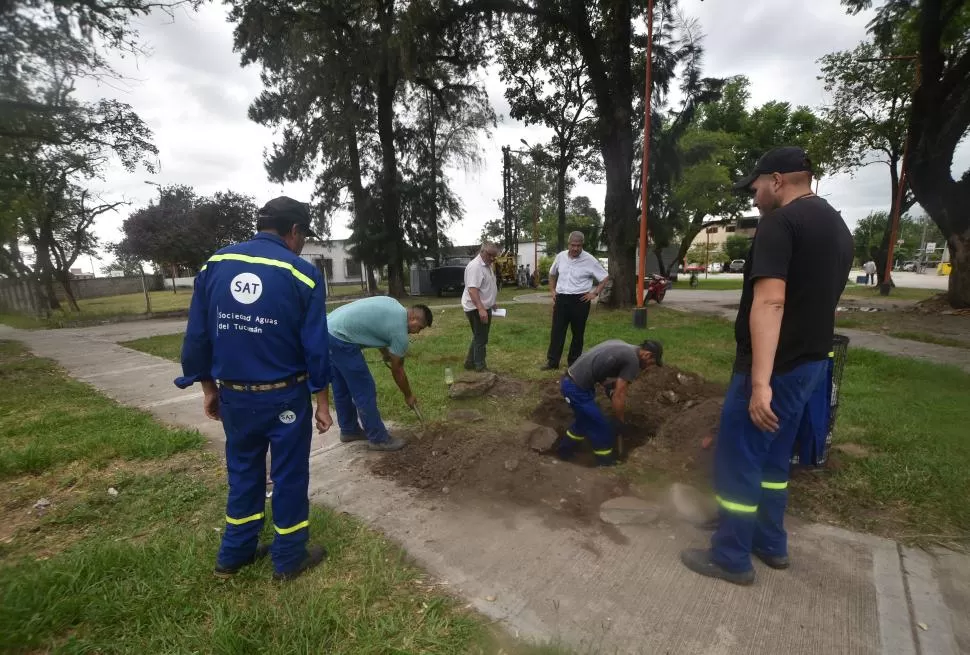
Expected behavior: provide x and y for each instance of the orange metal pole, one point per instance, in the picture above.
(641, 273)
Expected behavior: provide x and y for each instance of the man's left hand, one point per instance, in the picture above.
(590, 296)
(760, 409)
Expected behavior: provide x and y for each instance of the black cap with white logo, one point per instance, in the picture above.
(788, 159)
(287, 208)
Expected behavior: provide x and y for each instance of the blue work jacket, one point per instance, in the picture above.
(258, 314)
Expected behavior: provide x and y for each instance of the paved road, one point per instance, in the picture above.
(591, 590)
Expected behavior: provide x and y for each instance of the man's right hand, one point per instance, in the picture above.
(483, 315)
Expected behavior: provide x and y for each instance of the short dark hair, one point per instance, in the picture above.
(656, 349)
(426, 311)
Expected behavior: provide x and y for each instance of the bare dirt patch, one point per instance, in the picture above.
(671, 416)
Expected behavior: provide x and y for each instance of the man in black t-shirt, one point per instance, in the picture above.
(793, 278)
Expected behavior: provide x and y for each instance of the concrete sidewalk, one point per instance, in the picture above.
(592, 590)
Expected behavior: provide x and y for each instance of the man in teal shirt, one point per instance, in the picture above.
(378, 322)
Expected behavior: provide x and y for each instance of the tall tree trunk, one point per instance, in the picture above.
(361, 206)
(619, 210)
(883, 252)
(958, 289)
(662, 267)
(386, 86)
(561, 206)
(65, 280)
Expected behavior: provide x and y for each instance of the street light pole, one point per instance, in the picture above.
(640, 313)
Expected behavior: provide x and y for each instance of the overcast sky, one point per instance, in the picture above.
(194, 96)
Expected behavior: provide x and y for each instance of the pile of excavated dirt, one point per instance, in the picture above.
(671, 416)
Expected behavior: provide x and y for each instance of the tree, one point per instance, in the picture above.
(865, 121)
(547, 85)
(581, 216)
(337, 74)
(493, 231)
(610, 40)
(182, 229)
(737, 247)
(869, 236)
(939, 118)
(704, 254)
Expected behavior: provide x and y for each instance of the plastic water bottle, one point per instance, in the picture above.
(449, 377)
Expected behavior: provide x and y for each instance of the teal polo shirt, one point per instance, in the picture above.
(378, 322)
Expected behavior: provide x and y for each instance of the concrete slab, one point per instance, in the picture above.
(595, 589)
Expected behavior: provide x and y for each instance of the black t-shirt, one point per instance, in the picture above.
(807, 244)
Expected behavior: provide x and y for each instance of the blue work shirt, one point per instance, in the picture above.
(258, 314)
(378, 322)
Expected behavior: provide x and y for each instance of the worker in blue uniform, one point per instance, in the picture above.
(793, 277)
(257, 342)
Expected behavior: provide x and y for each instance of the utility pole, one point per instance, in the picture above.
(640, 312)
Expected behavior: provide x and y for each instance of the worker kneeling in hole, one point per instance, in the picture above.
(614, 364)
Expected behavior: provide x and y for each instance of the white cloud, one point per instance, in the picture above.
(194, 95)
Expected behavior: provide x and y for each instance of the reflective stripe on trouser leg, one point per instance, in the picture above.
(246, 445)
(745, 456)
(290, 450)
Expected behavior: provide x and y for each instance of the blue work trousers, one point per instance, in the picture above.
(280, 421)
(589, 423)
(354, 392)
(751, 467)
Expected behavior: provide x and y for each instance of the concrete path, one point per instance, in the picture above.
(545, 577)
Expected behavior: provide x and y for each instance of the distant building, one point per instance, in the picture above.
(337, 265)
(719, 234)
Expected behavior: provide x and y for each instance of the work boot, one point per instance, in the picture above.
(779, 562)
(699, 561)
(226, 572)
(350, 437)
(313, 558)
(389, 445)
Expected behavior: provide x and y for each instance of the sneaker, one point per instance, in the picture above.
(350, 437)
(699, 561)
(390, 445)
(226, 572)
(779, 562)
(313, 558)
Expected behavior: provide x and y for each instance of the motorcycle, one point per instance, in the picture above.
(656, 288)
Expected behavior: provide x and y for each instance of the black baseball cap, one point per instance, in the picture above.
(656, 349)
(287, 208)
(788, 159)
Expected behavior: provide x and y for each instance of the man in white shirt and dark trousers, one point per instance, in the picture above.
(571, 280)
(478, 301)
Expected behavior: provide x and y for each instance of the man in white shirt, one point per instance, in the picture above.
(869, 268)
(478, 301)
(571, 280)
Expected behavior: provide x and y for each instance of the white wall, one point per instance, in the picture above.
(335, 251)
(527, 252)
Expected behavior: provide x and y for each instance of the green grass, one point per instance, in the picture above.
(132, 572)
(109, 308)
(713, 283)
(912, 415)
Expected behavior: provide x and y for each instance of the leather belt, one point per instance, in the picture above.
(264, 386)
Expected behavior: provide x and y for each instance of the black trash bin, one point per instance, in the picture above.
(808, 451)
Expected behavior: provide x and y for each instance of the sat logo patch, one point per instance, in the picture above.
(246, 288)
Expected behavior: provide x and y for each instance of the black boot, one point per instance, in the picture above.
(313, 558)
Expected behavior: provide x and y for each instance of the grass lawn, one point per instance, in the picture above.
(910, 416)
(713, 283)
(100, 573)
(95, 310)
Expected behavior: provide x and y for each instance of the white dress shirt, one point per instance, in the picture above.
(576, 275)
(479, 275)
